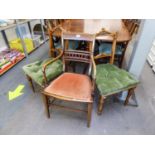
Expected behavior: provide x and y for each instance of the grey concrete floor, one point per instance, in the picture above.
(25, 114)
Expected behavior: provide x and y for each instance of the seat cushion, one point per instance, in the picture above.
(34, 70)
(106, 48)
(71, 86)
(111, 79)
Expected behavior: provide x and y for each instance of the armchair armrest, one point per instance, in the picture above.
(94, 67)
(49, 62)
(94, 73)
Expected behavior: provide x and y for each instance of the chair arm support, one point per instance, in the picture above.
(94, 74)
(49, 62)
(94, 67)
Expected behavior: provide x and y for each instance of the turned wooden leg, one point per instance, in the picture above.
(100, 105)
(89, 114)
(30, 82)
(130, 92)
(46, 103)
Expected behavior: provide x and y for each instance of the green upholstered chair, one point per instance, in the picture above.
(110, 79)
(42, 72)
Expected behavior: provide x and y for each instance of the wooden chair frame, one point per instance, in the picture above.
(56, 31)
(112, 55)
(77, 56)
(52, 23)
(102, 97)
(132, 25)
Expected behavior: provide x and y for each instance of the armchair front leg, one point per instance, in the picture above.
(46, 103)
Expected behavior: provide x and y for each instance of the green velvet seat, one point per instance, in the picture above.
(34, 70)
(111, 79)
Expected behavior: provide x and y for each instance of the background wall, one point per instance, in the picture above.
(142, 46)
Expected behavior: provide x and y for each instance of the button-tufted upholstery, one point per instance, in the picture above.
(34, 70)
(111, 79)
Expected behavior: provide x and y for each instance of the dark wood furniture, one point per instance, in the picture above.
(73, 87)
(93, 26)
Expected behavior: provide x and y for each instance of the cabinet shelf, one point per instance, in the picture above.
(20, 32)
(15, 24)
(2, 71)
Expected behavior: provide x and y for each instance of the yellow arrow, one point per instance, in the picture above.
(17, 92)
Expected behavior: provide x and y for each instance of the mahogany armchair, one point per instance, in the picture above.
(73, 87)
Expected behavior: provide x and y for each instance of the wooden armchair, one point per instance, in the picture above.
(72, 86)
(111, 79)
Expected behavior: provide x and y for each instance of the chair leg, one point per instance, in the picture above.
(100, 105)
(30, 82)
(130, 92)
(89, 114)
(46, 103)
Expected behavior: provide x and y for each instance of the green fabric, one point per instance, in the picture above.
(106, 48)
(111, 79)
(34, 70)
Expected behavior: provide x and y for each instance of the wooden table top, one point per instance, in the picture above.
(93, 26)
